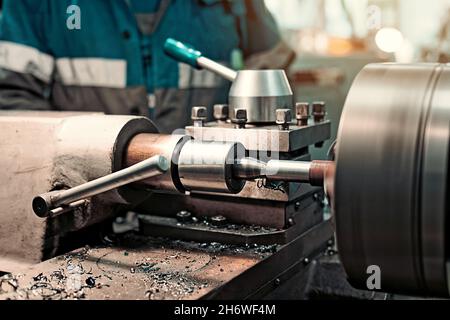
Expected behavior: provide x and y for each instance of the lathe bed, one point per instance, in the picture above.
(142, 268)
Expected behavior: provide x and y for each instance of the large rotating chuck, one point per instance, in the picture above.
(391, 179)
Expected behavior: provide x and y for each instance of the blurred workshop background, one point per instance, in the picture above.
(334, 39)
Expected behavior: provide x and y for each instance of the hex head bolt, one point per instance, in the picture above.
(240, 118)
(199, 115)
(302, 113)
(284, 118)
(319, 111)
(221, 112)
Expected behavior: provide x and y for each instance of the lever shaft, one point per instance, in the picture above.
(44, 203)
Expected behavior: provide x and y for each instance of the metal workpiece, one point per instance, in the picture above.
(43, 204)
(144, 146)
(249, 168)
(312, 172)
(391, 185)
(208, 166)
(276, 170)
(289, 171)
(261, 93)
(321, 174)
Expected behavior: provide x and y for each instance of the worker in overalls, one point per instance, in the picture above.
(107, 56)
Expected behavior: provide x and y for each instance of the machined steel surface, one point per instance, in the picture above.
(208, 166)
(290, 171)
(264, 138)
(277, 170)
(391, 178)
(44, 203)
(261, 93)
(249, 168)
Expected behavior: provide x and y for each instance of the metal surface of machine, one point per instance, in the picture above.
(262, 117)
(70, 196)
(392, 178)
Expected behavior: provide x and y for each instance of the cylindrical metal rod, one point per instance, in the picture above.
(312, 172)
(249, 168)
(217, 68)
(154, 166)
(289, 171)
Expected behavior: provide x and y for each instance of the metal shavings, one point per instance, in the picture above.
(10, 280)
(40, 277)
(13, 283)
(67, 282)
(147, 267)
(267, 249)
(174, 283)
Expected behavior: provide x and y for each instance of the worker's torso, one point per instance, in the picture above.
(115, 62)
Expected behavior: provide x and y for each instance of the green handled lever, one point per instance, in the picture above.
(187, 54)
(182, 52)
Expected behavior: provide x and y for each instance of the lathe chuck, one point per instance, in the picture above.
(391, 178)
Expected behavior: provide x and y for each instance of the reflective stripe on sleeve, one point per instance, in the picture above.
(26, 59)
(96, 72)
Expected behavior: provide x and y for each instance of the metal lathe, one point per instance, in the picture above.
(234, 208)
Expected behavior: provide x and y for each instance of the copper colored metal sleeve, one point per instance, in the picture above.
(318, 172)
(146, 145)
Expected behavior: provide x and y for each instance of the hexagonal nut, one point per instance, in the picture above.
(302, 110)
(199, 113)
(284, 116)
(221, 112)
(240, 115)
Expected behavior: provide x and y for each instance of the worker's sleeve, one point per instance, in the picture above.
(26, 65)
(263, 45)
(261, 32)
